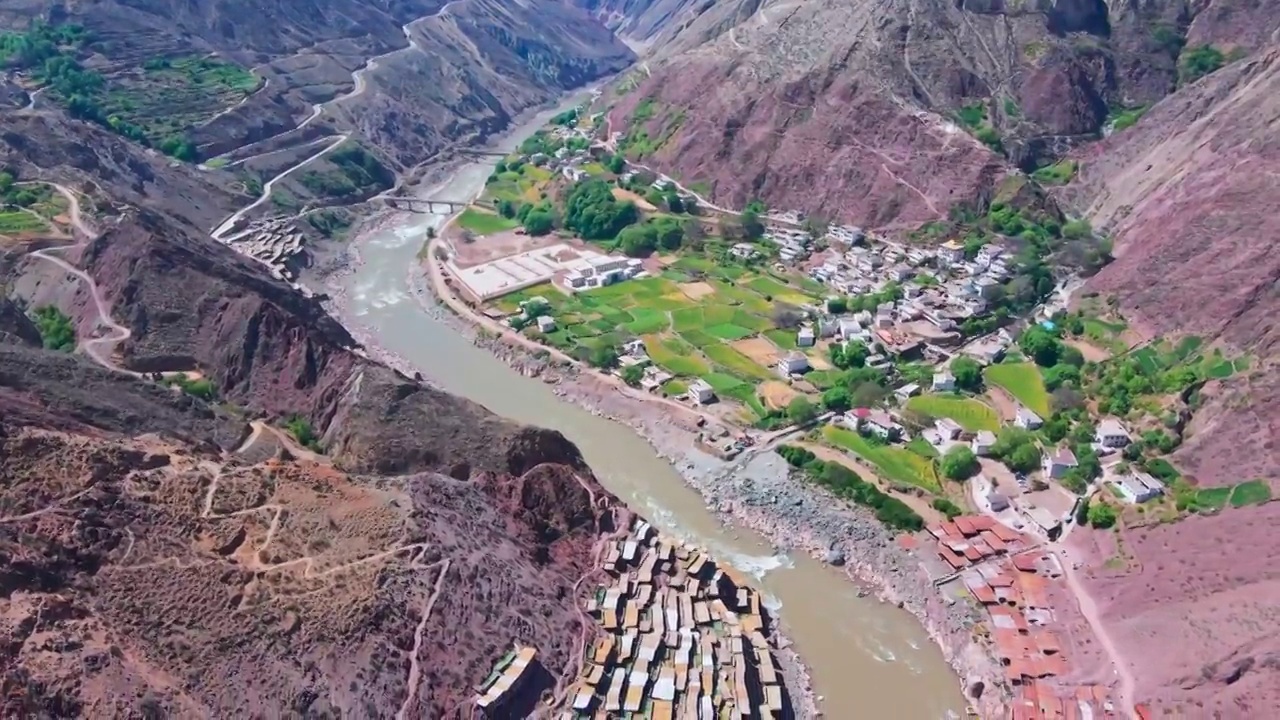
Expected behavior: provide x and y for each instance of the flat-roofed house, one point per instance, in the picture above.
(1111, 433)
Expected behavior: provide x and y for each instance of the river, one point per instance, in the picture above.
(866, 659)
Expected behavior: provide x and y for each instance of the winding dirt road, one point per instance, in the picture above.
(101, 348)
(358, 87)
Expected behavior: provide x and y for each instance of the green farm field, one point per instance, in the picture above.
(972, 415)
(1023, 381)
(895, 463)
(690, 334)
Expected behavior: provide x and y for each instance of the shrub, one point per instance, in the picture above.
(959, 463)
(1196, 62)
(1101, 515)
(56, 330)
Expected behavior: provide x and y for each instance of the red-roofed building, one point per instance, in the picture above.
(965, 523)
(1006, 533)
(983, 522)
(954, 560)
(994, 542)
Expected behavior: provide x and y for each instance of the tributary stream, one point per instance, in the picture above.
(867, 659)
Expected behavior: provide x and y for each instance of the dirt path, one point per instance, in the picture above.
(415, 667)
(1089, 609)
(358, 87)
(1091, 352)
(1004, 404)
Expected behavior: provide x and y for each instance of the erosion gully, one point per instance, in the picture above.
(866, 659)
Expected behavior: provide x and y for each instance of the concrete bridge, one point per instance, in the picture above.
(429, 206)
(480, 152)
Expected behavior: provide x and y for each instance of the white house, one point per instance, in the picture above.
(1027, 420)
(546, 324)
(804, 338)
(1138, 487)
(793, 363)
(907, 391)
(1056, 464)
(949, 429)
(635, 348)
(944, 382)
(875, 422)
(951, 251)
(1111, 433)
(983, 442)
(849, 328)
(701, 392)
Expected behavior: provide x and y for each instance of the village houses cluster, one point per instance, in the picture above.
(683, 638)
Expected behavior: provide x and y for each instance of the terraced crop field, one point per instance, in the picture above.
(972, 415)
(169, 97)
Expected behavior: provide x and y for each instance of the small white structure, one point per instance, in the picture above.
(1138, 487)
(792, 364)
(1027, 420)
(948, 429)
(982, 443)
(546, 323)
(742, 250)
(805, 338)
(701, 392)
(635, 348)
(1111, 434)
(951, 251)
(849, 328)
(999, 502)
(874, 422)
(907, 391)
(1056, 464)
(944, 382)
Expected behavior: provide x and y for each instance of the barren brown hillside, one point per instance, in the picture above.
(151, 562)
(868, 111)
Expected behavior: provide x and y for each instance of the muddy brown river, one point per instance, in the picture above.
(867, 659)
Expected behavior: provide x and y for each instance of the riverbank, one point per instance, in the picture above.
(829, 621)
(760, 492)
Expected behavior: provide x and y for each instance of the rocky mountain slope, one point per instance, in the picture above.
(152, 562)
(878, 105)
(430, 72)
(1187, 194)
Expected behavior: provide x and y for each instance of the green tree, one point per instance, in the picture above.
(638, 240)
(57, 332)
(670, 235)
(837, 399)
(617, 164)
(1040, 345)
(1101, 515)
(539, 222)
(752, 228)
(594, 213)
(674, 203)
(1077, 229)
(604, 357)
(959, 463)
(507, 209)
(1024, 458)
(801, 411)
(632, 375)
(968, 373)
